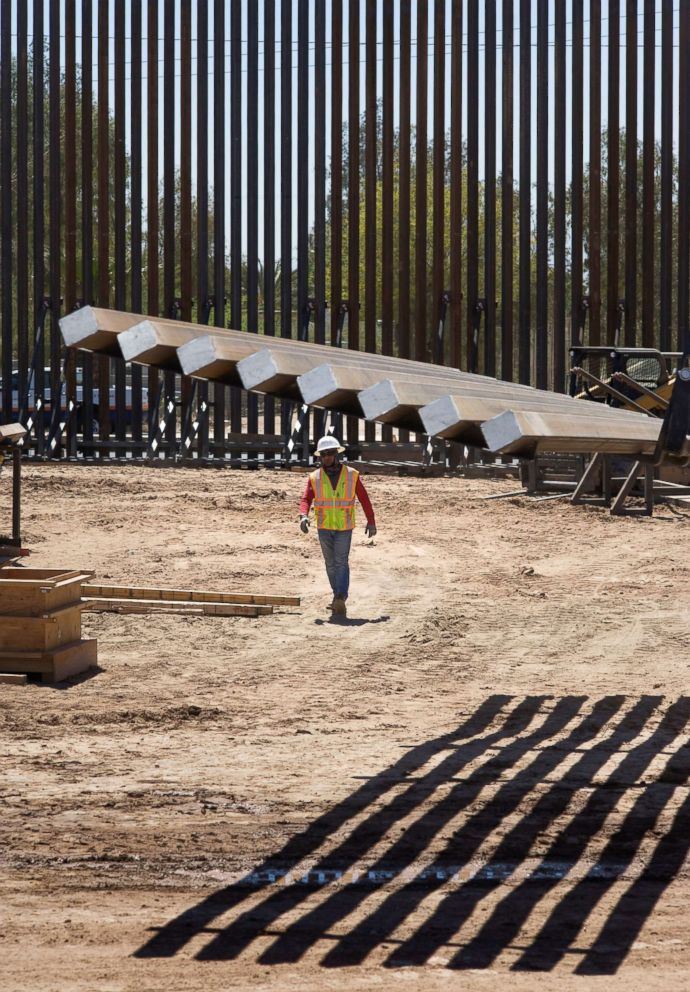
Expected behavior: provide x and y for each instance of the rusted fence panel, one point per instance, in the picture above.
(374, 173)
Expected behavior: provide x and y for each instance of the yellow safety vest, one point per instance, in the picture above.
(335, 510)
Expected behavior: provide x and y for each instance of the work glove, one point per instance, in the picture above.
(304, 525)
(370, 530)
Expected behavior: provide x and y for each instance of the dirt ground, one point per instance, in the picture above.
(478, 780)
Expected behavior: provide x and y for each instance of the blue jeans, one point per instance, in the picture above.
(335, 545)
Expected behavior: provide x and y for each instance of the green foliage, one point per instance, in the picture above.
(370, 270)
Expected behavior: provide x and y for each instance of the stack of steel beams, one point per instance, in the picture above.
(503, 417)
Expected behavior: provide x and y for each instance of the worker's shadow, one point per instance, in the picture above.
(351, 621)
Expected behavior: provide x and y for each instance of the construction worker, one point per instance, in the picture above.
(332, 489)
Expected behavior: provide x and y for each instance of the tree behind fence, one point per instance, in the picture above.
(274, 166)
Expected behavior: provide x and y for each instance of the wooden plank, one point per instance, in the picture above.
(53, 666)
(42, 633)
(73, 660)
(37, 591)
(525, 432)
(148, 606)
(8, 678)
(91, 591)
(53, 577)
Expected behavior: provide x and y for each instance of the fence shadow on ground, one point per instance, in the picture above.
(537, 782)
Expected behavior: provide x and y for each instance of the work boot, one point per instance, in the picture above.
(339, 608)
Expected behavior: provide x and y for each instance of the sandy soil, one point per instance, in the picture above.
(479, 780)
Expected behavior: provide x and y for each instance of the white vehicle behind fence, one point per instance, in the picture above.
(45, 395)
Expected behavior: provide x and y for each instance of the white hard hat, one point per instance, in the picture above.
(328, 443)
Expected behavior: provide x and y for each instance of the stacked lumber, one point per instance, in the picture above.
(180, 602)
(40, 623)
(442, 402)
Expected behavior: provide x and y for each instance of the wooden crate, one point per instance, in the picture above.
(53, 666)
(44, 633)
(35, 592)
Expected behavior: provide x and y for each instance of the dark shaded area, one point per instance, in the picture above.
(177, 933)
(515, 771)
(352, 621)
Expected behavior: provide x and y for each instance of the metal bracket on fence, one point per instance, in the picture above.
(582, 318)
(46, 304)
(159, 436)
(58, 426)
(478, 310)
(169, 406)
(192, 427)
(620, 313)
(343, 311)
(581, 321)
(205, 311)
(334, 421)
(309, 311)
(428, 452)
(441, 331)
(185, 438)
(292, 438)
